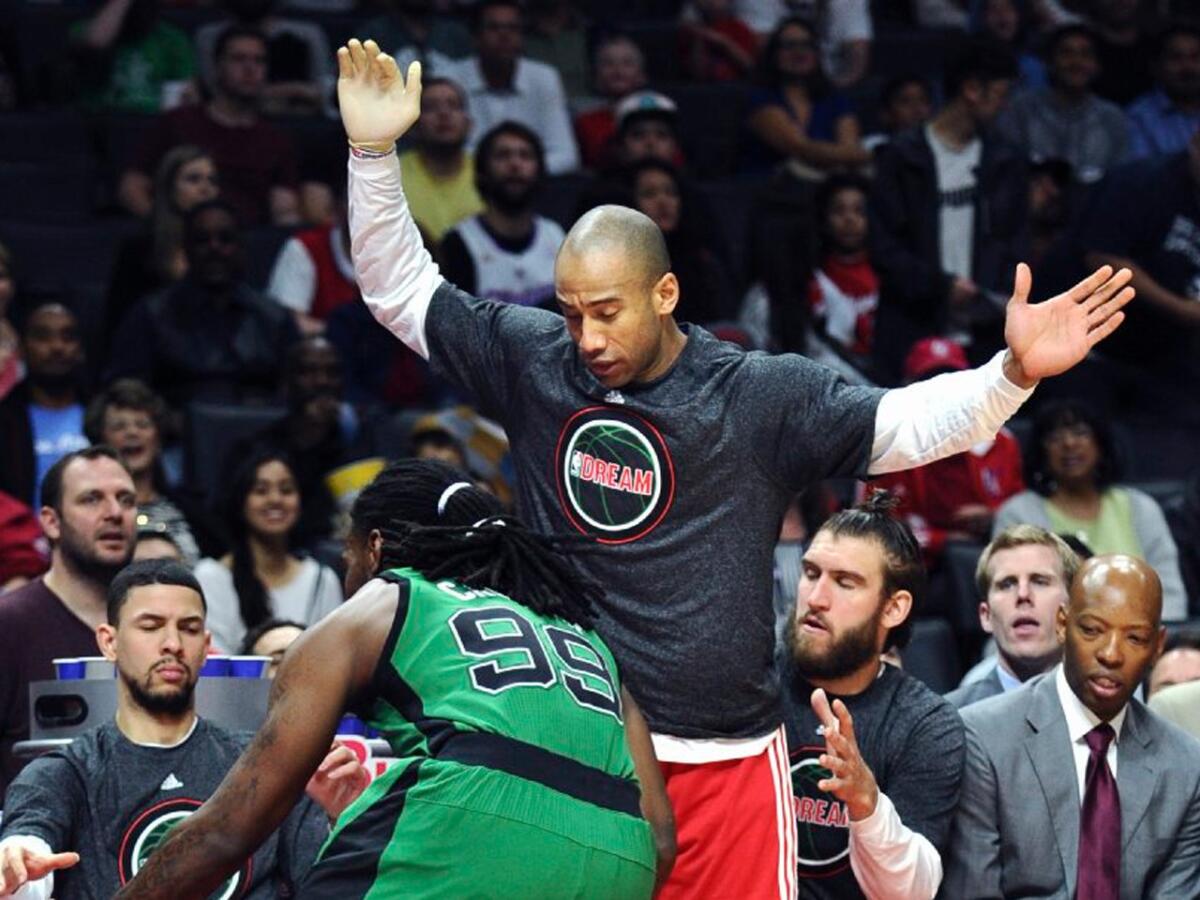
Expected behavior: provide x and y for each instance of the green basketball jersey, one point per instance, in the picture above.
(507, 725)
(474, 660)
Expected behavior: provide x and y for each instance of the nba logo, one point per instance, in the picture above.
(576, 463)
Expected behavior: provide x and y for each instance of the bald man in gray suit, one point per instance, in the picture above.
(1027, 823)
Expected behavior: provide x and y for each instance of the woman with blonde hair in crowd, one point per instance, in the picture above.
(154, 259)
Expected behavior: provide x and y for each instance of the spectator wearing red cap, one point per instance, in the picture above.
(954, 498)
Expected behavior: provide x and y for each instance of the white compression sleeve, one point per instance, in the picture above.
(395, 272)
(890, 860)
(932, 419)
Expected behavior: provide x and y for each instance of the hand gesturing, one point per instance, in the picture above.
(850, 778)
(1047, 338)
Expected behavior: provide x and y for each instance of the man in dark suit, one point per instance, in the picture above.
(1022, 577)
(1072, 788)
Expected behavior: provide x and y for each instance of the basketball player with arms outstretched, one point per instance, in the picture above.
(677, 455)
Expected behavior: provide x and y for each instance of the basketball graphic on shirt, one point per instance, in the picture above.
(822, 822)
(151, 828)
(614, 473)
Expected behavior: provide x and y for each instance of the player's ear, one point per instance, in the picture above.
(51, 525)
(896, 609)
(666, 294)
(106, 640)
(374, 549)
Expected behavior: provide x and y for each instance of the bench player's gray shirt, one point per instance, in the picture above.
(113, 801)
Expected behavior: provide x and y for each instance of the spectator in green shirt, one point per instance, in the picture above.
(133, 61)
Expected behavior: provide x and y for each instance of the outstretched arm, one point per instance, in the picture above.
(394, 270)
(932, 419)
(328, 664)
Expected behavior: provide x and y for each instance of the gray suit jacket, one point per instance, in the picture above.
(1016, 829)
(988, 686)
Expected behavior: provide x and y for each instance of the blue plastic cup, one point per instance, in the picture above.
(215, 667)
(97, 668)
(69, 669)
(248, 666)
(352, 725)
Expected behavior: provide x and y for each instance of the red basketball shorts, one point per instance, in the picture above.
(735, 828)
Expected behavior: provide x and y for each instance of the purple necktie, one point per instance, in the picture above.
(1099, 824)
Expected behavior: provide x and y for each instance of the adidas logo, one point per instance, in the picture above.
(170, 783)
(614, 397)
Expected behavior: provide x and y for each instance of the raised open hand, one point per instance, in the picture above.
(850, 778)
(378, 105)
(1047, 338)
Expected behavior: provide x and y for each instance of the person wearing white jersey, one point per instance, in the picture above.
(507, 252)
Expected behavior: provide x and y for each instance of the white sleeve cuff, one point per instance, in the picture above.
(933, 419)
(874, 827)
(890, 860)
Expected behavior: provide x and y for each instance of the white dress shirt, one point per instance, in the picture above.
(536, 99)
(1081, 720)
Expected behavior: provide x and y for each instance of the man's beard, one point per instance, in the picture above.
(844, 655)
(507, 200)
(84, 561)
(174, 703)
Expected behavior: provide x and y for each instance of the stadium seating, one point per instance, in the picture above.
(211, 431)
(932, 655)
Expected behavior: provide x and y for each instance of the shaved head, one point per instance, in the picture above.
(624, 232)
(614, 285)
(1118, 579)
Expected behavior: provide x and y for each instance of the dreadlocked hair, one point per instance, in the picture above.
(433, 520)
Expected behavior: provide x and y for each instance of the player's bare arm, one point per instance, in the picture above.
(656, 806)
(326, 667)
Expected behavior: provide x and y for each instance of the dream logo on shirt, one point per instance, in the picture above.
(822, 821)
(614, 473)
(150, 829)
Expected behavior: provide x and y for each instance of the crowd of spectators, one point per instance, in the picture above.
(851, 180)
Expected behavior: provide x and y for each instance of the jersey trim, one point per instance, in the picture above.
(549, 769)
(393, 690)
